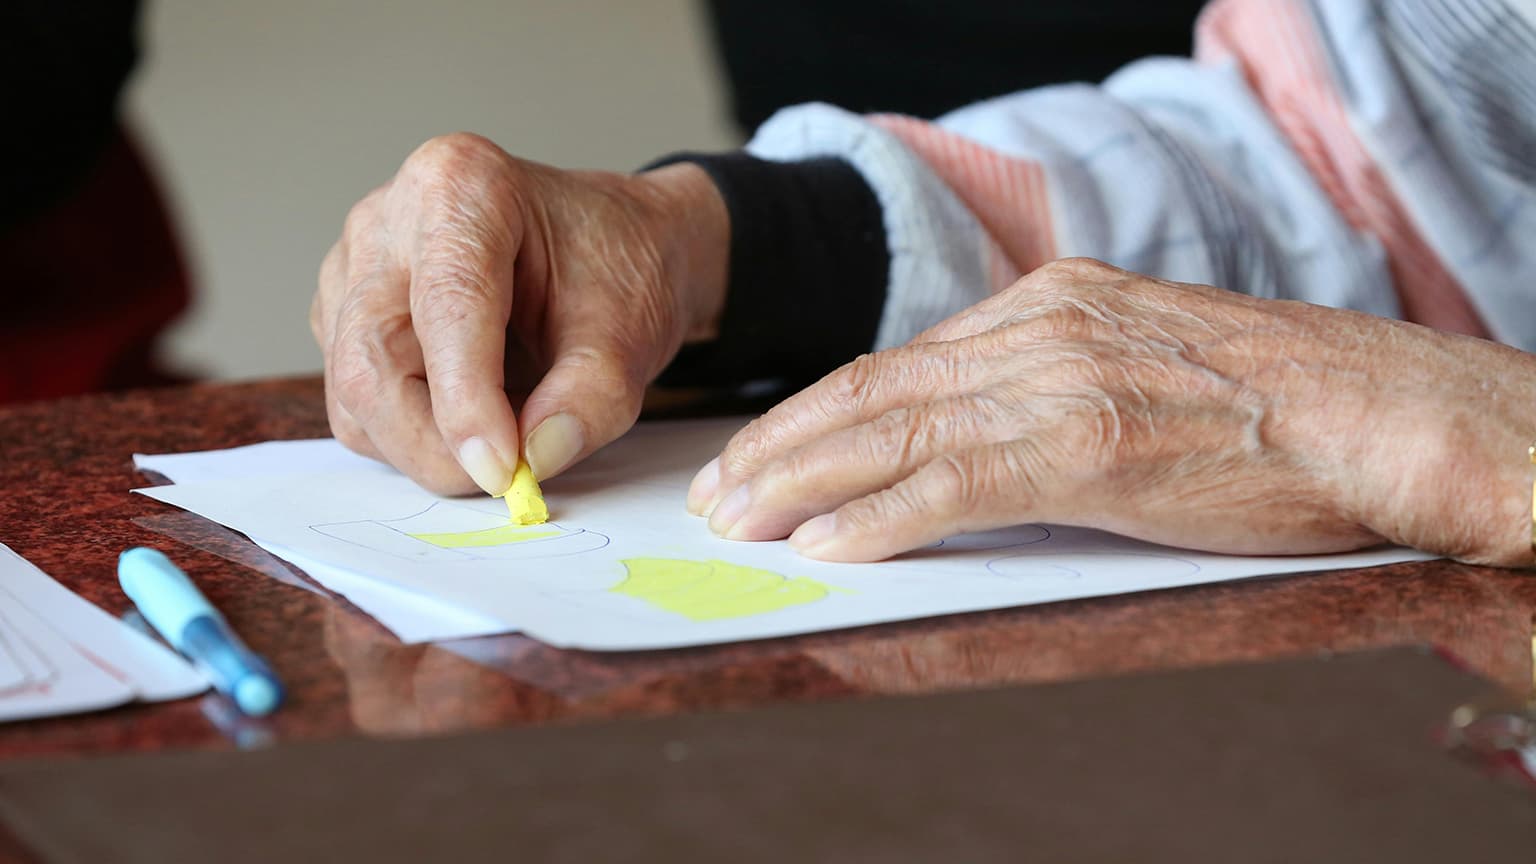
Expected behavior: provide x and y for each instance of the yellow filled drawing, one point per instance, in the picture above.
(714, 589)
(501, 535)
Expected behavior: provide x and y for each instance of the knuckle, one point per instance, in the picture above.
(971, 483)
(765, 438)
(856, 381)
(453, 397)
(879, 513)
(775, 484)
(608, 377)
(1082, 269)
(1063, 316)
(943, 367)
(362, 353)
(389, 340)
(332, 268)
(1068, 280)
(448, 155)
(1052, 277)
(760, 443)
(863, 516)
(900, 503)
(363, 218)
(898, 437)
(955, 481)
(363, 292)
(448, 293)
(361, 215)
(354, 383)
(748, 450)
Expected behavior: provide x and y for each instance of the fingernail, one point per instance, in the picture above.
(553, 445)
(485, 466)
(702, 489)
(813, 533)
(730, 510)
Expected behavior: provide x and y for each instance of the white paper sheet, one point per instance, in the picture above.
(67, 683)
(154, 671)
(13, 666)
(29, 660)
(411, 617)
(303, 456)
(72, 655)
(622, 566)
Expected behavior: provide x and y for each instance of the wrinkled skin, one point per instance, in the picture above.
(474, 282)
(474, 279)
(1182, 414)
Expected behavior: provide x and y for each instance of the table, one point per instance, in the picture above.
(66, 471)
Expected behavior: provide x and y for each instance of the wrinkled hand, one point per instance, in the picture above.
(473, 279)
(1181, 414)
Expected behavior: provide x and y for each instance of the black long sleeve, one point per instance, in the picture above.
(809, 267)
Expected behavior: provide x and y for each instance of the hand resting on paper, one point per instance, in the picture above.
(472, 275)
(1175, 413)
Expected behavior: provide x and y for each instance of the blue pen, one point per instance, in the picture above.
(172, 605)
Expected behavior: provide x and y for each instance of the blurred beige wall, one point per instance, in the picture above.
(267, 120)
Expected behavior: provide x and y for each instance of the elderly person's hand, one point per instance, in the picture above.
(472, 277)
(1182, 414)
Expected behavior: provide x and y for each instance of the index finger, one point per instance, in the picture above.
(461, 302)
(856, 393)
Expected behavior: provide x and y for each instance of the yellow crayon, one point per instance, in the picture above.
(525, 502)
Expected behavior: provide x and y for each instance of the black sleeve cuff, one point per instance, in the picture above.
(809, 267)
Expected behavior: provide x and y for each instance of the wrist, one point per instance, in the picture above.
(1457, 475)
(691, 228)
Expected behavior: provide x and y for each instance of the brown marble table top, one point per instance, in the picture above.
(65, 471)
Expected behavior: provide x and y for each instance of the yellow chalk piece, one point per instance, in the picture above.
(525, 502)
(501, 535)
(712, 590)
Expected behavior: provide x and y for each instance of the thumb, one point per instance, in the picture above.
(589, 397)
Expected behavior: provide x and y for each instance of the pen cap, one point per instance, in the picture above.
(165, 596)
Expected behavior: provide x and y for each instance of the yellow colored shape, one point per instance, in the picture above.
(711, 590)
(525, 502)
(501, 535)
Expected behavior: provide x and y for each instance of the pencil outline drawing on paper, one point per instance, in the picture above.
(447, 533)
(1028, 555)
(1053, 566)
(1024, 553)
(1003, 538)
